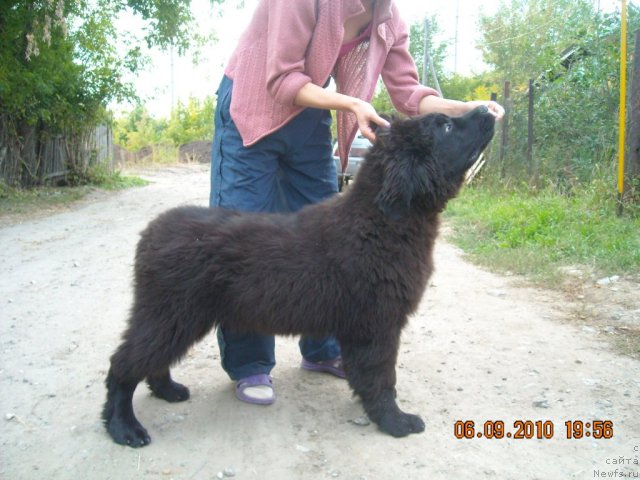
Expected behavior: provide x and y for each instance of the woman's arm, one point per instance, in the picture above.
(311, 95)
(289, 28)
(401, 78)
(453, 108)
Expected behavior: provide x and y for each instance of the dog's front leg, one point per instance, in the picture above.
(371, 374)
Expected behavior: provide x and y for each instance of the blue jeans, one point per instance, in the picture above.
(283, 172)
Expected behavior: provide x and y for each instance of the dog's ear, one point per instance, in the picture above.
(404, 179)
(382, 132)
(389, 117)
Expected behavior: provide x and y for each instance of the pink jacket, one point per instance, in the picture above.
(290, 43)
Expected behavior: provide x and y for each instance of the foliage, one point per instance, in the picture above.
(188, 122)
(193, 121)
(479, 87)
(40, 81)
(20, 201)
(453, 86)
(62, 62)
(524, 37)
(103, 178)
(572, 53)
(532, 232)
(138, 129)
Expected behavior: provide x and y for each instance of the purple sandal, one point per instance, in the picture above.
(334, 367)
(260, 380)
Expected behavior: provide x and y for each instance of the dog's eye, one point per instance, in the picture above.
(448, 127)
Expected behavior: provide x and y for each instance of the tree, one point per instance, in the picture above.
(478, 87)
(60, 66)
(571, 52)
(190, 122)
(524, 37)
(138, 129)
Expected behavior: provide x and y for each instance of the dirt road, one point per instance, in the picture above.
(478, 349)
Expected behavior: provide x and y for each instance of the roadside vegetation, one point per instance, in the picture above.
(540, 233)
(26, 201)
(161, 138)
(537, 208)
(23, 201)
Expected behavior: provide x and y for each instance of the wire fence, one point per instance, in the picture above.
(549, 139)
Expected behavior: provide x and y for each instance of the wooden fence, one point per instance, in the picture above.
(30, 155)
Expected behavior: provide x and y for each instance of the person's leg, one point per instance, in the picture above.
(308, 171)
(319, 349)
(243, 179)
(246, 354)
(309, 176)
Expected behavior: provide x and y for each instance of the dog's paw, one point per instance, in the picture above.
(169, 390)
(127, 432)
(400, 424)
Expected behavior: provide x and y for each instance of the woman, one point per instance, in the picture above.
(272, 144)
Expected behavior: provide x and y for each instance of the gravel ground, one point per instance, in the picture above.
(480, 348)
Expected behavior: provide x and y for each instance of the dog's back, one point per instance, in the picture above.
(218, 266)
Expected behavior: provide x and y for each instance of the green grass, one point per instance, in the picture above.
(22, 201)
(115, 181)
(15, 201)
(535, 233)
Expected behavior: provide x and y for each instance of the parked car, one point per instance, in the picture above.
(359, 148)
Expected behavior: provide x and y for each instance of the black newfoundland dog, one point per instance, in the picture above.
(354, 266)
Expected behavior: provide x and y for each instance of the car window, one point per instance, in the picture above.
(358, 152)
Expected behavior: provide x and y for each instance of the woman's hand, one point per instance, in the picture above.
(366, 115)
(494, 107)
(311, 95)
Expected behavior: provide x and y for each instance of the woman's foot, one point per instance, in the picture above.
(256, 389)
(334, 366)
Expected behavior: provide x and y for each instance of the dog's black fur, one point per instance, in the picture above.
(354, 267)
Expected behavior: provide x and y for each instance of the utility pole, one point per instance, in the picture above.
(172, 77)
(427, 63)
(623, 104)
(455, 53)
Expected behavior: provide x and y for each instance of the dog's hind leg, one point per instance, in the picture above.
(118, 416)
(148, 350)
(163, 386)
(371, 374)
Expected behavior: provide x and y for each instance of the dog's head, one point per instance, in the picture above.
(424, 159)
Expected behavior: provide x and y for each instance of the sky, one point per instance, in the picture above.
(201, 79)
